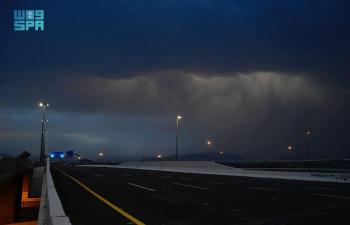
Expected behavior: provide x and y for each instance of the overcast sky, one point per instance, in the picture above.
(252, 75)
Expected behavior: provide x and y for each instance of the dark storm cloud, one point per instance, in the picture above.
(161, 92)
(271, 108)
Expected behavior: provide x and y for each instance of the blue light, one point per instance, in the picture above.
(57, 155)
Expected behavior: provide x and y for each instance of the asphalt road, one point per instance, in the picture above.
(165, 198)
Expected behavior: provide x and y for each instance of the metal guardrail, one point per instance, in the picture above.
(51, 211)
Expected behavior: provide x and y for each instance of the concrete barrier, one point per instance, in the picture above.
(197, 165)
(205, 167)
(51, 211)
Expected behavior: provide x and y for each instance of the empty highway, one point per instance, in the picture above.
(125, 196)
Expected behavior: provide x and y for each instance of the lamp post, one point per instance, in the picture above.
(100, 156)
(43, 146)
(221, 155)
(178, 118)
(160, 159)
(290, 150)
(209, 142)
(308, 143)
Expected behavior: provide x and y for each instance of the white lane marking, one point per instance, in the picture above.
(333, 196)
(212, 182)
(262, 188)
(186, 185)
(240, 181)
(323, 188)
(127, 175)
(96, 174)
(183, 178)
(139, 186)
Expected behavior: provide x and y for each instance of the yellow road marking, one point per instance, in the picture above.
(116, 208)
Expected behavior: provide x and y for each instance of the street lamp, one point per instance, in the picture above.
(290, 150)
(159, 156)
(221, 155)
(308, 133)
(209, 142)
(43, 104)
(178, 118)
(43, 146)
(308, 143)
(100, 156)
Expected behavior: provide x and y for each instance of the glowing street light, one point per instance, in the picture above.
(178, 118)
(308, 143)
(43, 146)
(290, 150)
(100, 154)
(221, 155)
(43, 105)
(159, 156)
(209, 142)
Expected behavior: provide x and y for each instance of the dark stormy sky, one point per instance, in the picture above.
(252, 75)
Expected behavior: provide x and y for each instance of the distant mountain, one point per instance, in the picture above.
(94, 162)
(206, 156)
(5, 155)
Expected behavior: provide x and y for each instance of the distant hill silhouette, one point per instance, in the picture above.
(206, 156)
(5, 155)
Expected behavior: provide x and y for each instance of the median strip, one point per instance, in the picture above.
(116, 208)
